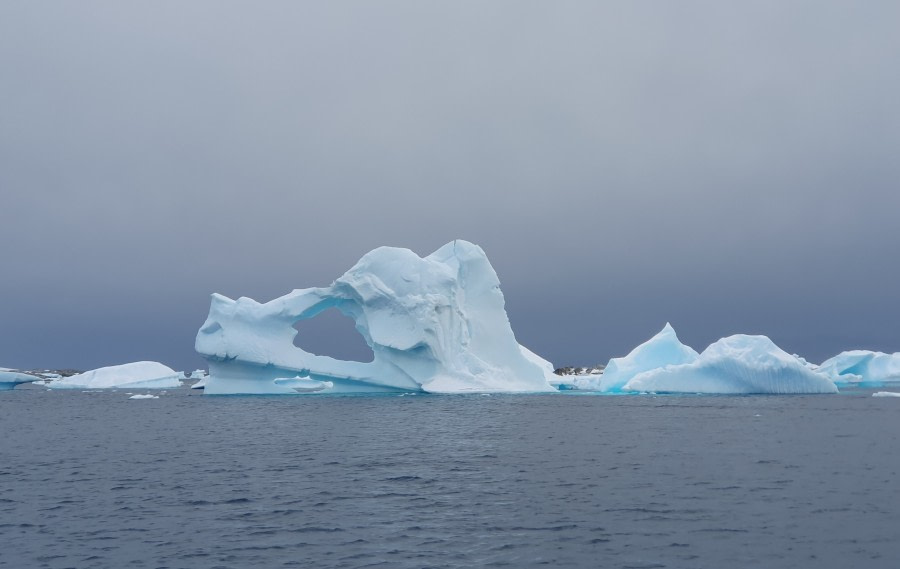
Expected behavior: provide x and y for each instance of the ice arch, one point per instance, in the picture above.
(332, 333)
(435, 324)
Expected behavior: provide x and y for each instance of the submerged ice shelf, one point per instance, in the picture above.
(436, 324)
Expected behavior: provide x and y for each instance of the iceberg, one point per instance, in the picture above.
(545, 365)
(738, 364)
(201, 375)
(886, 394)
(862, 366)
(435, 324)
(149, 375)
(663, 349)
(9, 378)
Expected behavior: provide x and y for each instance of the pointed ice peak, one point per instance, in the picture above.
(661, 350)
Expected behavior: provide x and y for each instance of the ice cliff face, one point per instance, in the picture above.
(435, 324)
(735, 365)
(661, 350)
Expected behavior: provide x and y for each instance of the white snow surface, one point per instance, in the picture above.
(435, 324)
(886, 394)
(150, 375)
(663, 349)
(738, 364)
(862, 366)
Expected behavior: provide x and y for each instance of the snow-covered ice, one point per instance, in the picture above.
(435, 324)
(144, 396)
(735, 365)
(661, 350)
(886, 394)
(150, 375)
(862, 366)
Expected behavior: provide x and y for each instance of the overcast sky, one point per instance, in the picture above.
(727, 167)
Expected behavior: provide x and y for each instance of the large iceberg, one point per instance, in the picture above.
(862, 366)
(136, 375)
(661, 350)
(9, 378)
(738, 364)
(435, 324)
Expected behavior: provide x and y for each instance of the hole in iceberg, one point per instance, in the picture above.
(331, 333)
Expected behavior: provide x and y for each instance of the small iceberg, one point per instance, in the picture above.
(144, 396)
(886, 394)
(136, 375)
(738, 364)
(661, 350)
(9, 378)
(862, 366)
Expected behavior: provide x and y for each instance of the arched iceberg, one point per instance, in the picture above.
(136, 375)
(738, 364)
(862, 366)
(661, 350)
(435, 324)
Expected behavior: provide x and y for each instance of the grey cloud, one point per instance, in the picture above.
(728, 168)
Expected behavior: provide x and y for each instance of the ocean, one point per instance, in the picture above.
(95, 479)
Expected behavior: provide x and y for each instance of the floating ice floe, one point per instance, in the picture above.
(150, 375)
(661, 350)
(435, 324)
(9, 378)
(144, 396)
(862, 366)
(886, 394)
(738, 364)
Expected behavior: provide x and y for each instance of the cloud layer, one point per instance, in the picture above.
(728, 169)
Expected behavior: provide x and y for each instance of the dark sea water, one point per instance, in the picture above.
(98, 480)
